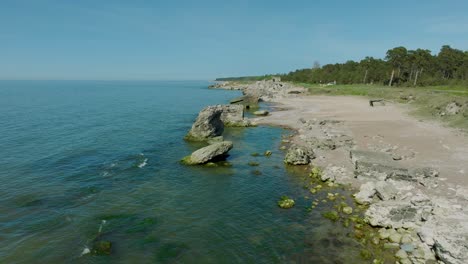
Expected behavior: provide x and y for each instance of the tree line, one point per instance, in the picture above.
(400, 67)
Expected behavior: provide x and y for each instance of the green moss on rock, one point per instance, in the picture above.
(332, 215)
(285, 202)
(102, 247)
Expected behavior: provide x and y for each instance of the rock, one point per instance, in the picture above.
(406, 239)
(366, 193)
(237, 100)
(102, 247)
(382, 171)
(378, 165)
(261, 113)
(391, 245)
(347, 210)
(233, 116)
(246, 100)
(298, 155)
(401, 254)
(208, 153)
(207, 125)
(325, 144)
(332, 215)
(286, 202)
(384, 233)
(453, 249)
(393, 214)
(336, 173)
(425, 172)
(385, 190)
(453, 108)
(394, 237)
(407, 247)
(267, 153)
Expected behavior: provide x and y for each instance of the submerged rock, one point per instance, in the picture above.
(207, 125)
(298, 155)
(208, 153)
(286, 202)
(102, 247)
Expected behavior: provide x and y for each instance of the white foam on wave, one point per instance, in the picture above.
(86, 250)
(141, 165)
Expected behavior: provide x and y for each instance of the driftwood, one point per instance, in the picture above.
(372, 101)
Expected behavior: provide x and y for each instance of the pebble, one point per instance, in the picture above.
(347, 210)
(395, 238)
(384, 233)
(406, 239)
(401, 254)
(375, 240)
(391, 246)
(407, 247)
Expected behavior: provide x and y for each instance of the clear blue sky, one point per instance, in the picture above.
(97, 39)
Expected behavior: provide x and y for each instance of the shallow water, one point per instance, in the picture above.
(75, 153)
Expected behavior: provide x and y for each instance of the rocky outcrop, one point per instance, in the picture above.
(298, 155)
(212, 119)
(268, 90)
(207, 125)
(208, 153)
(233, 116)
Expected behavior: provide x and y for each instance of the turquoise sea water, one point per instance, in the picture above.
(79, 156)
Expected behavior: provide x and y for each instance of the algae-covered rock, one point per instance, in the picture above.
(347, 210)
(257, 172)
(332, 215)
(253, 163)
(208, 153)
(298, 155)
(102, 247)
(267, 153)
(285, 202)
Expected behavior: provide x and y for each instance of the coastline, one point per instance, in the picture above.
(416, 190)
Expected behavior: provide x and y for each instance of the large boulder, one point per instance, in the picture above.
(233, 116)
(207, 125)
(298, 155)
(208, 153)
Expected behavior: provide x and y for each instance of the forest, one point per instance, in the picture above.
(400, 67)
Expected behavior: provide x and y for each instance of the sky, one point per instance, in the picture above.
(205, 39)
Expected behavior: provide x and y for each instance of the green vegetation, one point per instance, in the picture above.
(285, 202)
(332, 215)
(401, 67)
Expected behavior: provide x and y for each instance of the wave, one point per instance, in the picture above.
(144, 163)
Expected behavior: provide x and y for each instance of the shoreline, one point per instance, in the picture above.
(344, 137)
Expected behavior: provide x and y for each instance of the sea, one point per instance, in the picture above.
(87, 162)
